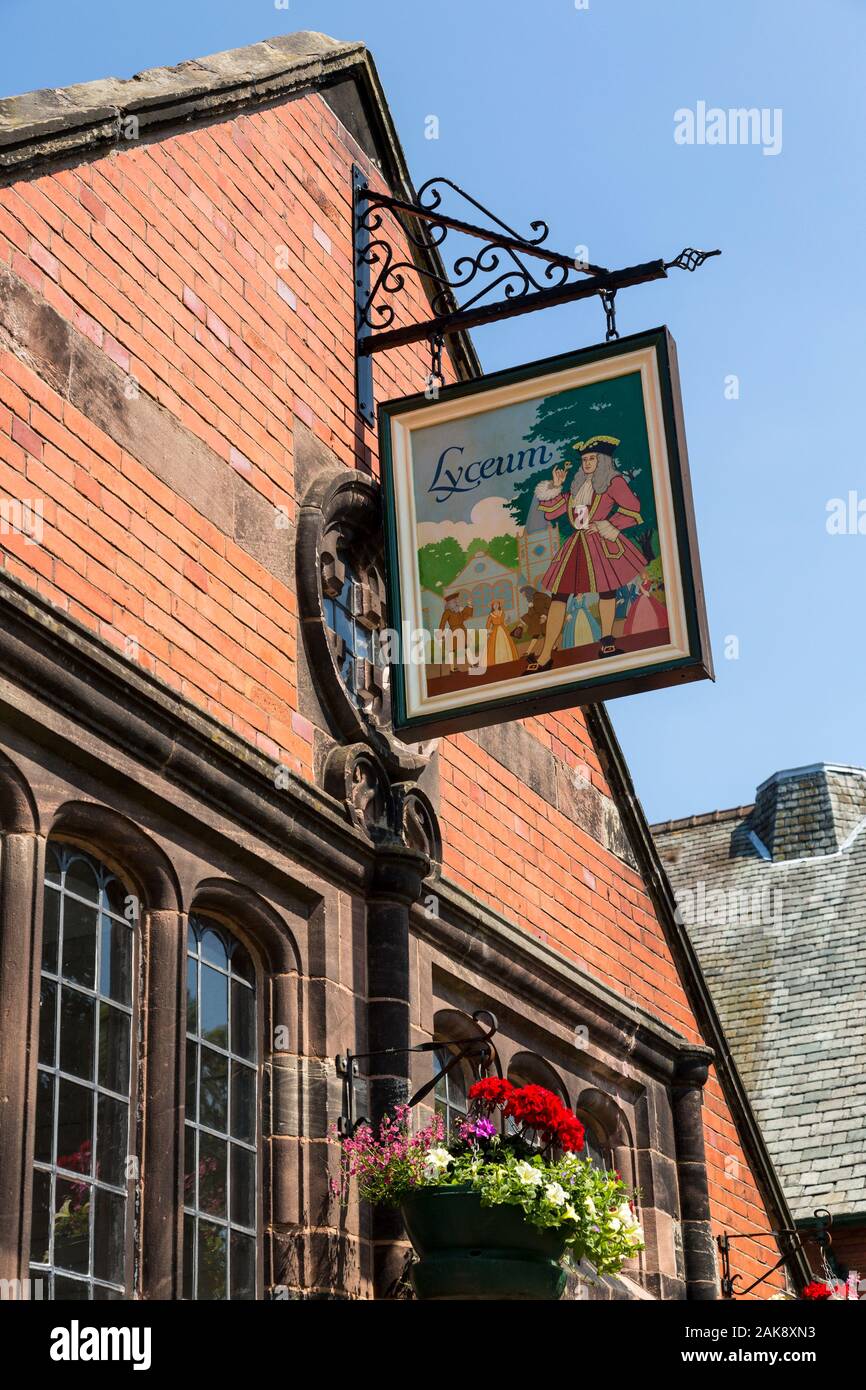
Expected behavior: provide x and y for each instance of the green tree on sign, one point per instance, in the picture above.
(440, 562)
(502, 549)
(612, 408)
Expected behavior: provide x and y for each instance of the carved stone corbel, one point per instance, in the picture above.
(417, 822)
(354, 776)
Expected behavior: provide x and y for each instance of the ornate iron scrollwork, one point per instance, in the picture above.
(690, 259)
(479, 1046)
(525, 272)
(505, 252)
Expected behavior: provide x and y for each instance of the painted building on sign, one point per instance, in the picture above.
(536, 546)
(221, 868)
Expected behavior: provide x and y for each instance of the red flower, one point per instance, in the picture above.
(536, 1108)
(79, 1162)
(817, 1291)
(493, 1090)
(533, 1108)
(570, 1134)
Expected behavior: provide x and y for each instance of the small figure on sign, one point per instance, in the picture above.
(501, 645)
(454, 618)
(532, 623)
(646, 613)
(581, 626)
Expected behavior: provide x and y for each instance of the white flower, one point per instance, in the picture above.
(555, 1193)
(570, 1214)
(626, 1221)
(590, 1206)
(529, 1176)
(436, 1162)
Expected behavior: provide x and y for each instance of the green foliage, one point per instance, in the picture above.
(502, 549)
(561, 419)
(440, 563)
(654, 571)
(589, 1206)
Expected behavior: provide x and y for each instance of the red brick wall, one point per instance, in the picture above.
(214, 268)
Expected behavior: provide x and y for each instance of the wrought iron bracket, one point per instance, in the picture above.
(528, 274)
(480, 1046)
(821, 1236)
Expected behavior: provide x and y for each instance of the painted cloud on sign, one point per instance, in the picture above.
(490, 517)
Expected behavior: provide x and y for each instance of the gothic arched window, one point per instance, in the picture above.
(84, 1165)
(451, 1092)
(595, 1147)
(221, 1124)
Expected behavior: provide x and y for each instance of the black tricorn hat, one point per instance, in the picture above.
(599, 444)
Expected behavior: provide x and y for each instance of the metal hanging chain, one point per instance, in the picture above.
(437, 342)
(824, 1242)
(608, 299)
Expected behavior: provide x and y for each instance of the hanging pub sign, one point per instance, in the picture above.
(540, 537)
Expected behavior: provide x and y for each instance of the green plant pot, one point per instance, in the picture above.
(468, 1251)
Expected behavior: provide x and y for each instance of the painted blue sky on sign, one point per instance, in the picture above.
(449, 501)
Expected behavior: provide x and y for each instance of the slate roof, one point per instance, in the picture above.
(774, 898)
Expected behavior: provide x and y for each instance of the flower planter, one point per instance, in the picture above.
(466, 1251)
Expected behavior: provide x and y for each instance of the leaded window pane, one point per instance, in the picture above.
(355, 639)
(79, 1234)
(220, 1139)
(450, 1094)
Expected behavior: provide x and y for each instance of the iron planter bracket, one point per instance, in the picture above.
(479, 1045)
(821, 1237)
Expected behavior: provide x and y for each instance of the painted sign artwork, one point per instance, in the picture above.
(540, 536)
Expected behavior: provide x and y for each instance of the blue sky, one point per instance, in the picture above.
(549, 110)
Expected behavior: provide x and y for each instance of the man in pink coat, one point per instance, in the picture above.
(597, 558)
